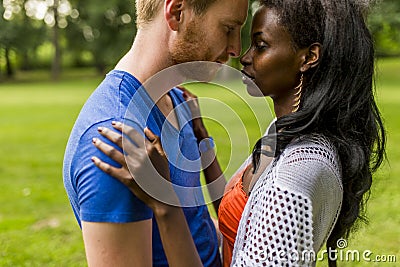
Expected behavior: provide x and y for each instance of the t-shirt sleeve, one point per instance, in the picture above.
(101, 197)
(314, 172)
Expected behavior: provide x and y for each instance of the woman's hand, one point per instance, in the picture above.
(144, 168)
(199, 129)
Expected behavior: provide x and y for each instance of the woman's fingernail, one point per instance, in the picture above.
(100, 129)
(94, 140)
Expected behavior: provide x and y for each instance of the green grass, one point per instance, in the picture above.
(37, 226)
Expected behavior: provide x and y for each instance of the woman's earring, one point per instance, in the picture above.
(297, 95)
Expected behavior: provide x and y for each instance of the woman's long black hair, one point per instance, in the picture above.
(338, 97)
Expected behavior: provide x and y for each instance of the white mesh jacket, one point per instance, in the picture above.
(292, 208)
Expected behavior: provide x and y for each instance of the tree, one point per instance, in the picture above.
(18, 33)
(56, 65)
(106, 30)
(54, 13)
(8, 38)
(384, 22)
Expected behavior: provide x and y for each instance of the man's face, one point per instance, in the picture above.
(213, 36)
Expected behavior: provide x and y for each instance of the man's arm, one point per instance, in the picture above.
(113, 244)
(116, 226)
(146, 158)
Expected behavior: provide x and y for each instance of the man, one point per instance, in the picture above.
(117, 228)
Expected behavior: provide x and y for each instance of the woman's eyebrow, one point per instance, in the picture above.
(256, 34)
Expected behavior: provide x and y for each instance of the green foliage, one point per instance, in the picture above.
(21, 35)
(105, 30)
(384, 22)
(99, 34)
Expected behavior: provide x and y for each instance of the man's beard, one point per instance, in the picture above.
(192, 46)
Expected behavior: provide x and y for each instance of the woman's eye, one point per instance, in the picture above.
(260, 45)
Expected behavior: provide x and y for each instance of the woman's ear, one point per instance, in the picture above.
(173, 13)
(311, 57)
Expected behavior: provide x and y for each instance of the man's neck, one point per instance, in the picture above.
(147, 57)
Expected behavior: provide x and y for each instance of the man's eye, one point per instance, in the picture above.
(229, 29)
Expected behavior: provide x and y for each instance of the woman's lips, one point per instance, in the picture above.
(247, 77)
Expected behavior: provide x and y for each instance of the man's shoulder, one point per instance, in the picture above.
(109, 101)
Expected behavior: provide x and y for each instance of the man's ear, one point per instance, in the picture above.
(311, 57)
(173, 13)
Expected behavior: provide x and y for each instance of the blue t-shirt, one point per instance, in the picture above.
(98, 197)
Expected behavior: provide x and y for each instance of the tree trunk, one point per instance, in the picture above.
(25, 63)
(100, 67)
(56, 66)
(9, 69)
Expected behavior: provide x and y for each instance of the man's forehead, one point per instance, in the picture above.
(233, 20)
(231, 11)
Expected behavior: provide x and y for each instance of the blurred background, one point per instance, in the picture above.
(54, 53)
(60, 34)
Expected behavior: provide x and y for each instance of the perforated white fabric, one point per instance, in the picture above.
(292, 208)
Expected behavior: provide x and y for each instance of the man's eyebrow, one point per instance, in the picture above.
(239, 22)
(235, 21)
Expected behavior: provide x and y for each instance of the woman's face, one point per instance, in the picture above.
(272, 61)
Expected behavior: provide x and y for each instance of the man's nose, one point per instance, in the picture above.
(234, 46)
(245, 60)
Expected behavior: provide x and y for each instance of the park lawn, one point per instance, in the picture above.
(37, 226)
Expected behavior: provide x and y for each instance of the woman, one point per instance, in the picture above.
(315, 59)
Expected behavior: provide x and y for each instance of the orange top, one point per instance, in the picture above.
(229, 214)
